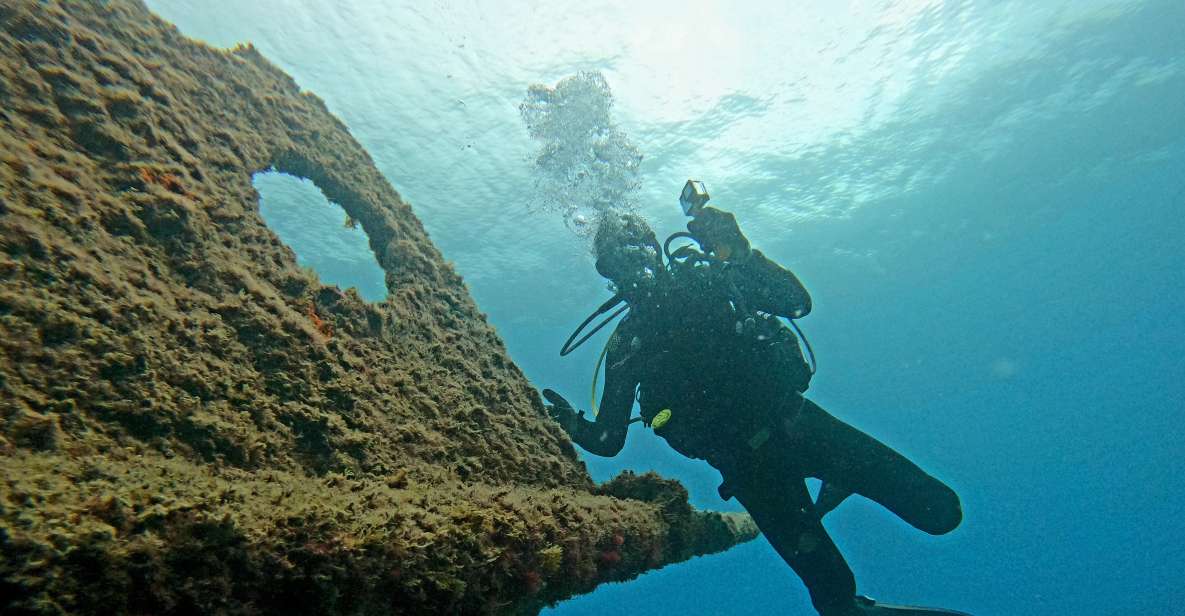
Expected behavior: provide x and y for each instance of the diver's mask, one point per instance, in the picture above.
(693, 197)
(637, 266)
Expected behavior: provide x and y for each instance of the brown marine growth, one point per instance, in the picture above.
(190, 423)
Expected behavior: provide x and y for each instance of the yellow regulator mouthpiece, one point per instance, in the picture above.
(661, 419)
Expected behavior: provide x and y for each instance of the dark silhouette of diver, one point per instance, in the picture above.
(718, 375)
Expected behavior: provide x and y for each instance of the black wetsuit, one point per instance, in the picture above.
(706, 345)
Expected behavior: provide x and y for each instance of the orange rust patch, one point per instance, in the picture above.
(166, 180)
(322, 326)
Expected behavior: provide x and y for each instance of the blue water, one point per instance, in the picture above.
(986, 201)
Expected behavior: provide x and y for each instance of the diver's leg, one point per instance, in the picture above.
(781, 507)
(830, 496)
(838, 453)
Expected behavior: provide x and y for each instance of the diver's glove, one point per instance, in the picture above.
(561, 411)
(717, 231)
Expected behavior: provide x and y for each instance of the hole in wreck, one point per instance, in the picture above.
(321, 234)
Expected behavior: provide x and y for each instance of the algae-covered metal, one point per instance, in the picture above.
(190, 422)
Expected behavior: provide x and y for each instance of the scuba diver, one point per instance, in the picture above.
(718, 375)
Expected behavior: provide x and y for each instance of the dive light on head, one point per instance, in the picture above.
(694, 197)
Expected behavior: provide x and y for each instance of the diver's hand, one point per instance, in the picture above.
(717, 231)
(561, 411)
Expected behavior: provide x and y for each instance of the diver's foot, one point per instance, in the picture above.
(869, 607)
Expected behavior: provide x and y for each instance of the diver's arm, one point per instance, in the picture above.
(604, 436)
(765, 285)
(771, 288)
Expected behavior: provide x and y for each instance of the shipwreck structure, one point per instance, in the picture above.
(190, 423)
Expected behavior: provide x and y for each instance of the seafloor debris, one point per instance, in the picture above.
(190, 423)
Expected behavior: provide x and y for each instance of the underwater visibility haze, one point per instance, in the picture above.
(986, 201)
